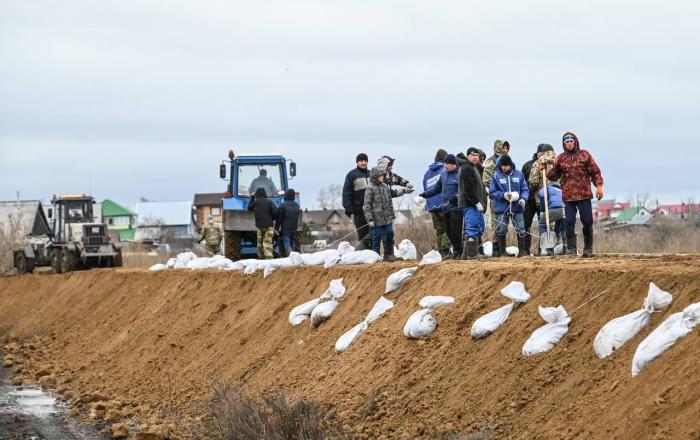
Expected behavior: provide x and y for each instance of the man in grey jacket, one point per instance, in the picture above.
(379, 212)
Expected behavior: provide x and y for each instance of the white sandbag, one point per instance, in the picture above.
(512, 250)
(407, 250)
(331, 260)
(302, 311)
(515, 290)
(431, 257)
(420, 324)
(619, 331)
(398, 278)
(433, 302)
(250, 269)
(157, 267)
(365, 256)
(317, 258)
(378, 309)
(343, 342)
(559, 249)
(382, 306)
(488, 248)
(665, 335)
(335, 290)
(322, 312)
(546, 337)
(180, 265)
(268, 271)
(295, 259)
(222, 263)
(198, 263)
(491, 321)
(186, 257)
(345, 248)
(171, 262)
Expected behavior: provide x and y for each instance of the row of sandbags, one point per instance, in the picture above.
(320, 309)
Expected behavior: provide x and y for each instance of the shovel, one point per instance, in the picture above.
(547, 239)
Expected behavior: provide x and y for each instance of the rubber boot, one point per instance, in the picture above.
(389, 255)
(522, 246)
(587, 245)
(496, 251)
(481, 246)
(571, 246)
(471, 249)
(465, 253)
(527, 244)
(501, 239)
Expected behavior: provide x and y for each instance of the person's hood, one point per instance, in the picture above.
(497, 146)
(461, 159)
(260, 193)
(440, 155)
(577, 146)
(437, 166)
(289, 194)
(534, 156)
(375, 173)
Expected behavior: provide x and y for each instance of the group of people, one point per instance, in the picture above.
(460, 188)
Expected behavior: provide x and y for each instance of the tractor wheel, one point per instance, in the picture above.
(117, 259)
(56, 261)
(68, 262)
(21, 263)
(232, 245)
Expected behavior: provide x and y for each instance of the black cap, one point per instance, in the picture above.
(450, 158)
(361, 156)
(505, 160)
(472, 150)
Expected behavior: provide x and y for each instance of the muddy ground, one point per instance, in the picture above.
(148, 345)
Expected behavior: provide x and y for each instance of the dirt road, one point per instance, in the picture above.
(154, 341)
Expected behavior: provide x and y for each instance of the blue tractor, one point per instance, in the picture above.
(246, 174)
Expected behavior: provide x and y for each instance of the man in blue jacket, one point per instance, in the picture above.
(434, 204)
(509, 193)
(447, 188)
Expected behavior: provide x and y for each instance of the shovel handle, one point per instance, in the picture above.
(546, 199)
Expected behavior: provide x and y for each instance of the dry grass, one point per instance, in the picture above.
(235, 414)
(664, 236)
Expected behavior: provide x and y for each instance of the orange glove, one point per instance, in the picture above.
(543, 165)
(599, 192)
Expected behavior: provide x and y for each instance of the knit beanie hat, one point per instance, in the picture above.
(440, 155)
(472, 150)
(450, 158)
(361, 156)
(505, 160)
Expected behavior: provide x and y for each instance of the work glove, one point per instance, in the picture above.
(348, 213)
(514, 196)
(522, 203)
(480, 207)
(409, 186)
(423, 195)
(599, 192)
(409, 189)
(506, 195)
(370, 224)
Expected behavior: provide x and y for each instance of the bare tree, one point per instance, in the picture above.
(330, 197)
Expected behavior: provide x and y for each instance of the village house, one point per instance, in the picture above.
(119, 219)
(206, 204)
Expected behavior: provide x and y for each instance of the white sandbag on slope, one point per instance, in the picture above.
(559, 249)
(380, 307)
(488, 248)
(490, 322)
(250, 269)
(344, 248)
(268, 271)
(618, 331)
(398, 278)
(431, 257)
(199, 263)
(318, 258)
(365, 256)
(420, 324)
(157, 267)
(323, 312)
(302, 312)
(546, 337)
(407, 250)
(512, 250)
(330, 261)
(186, 257)
(171, 263)
(665, 335)
(335, 290)
(435, 301)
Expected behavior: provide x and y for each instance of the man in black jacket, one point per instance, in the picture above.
(354, 188)
(287, 222)
(265, 216)
(471, 198)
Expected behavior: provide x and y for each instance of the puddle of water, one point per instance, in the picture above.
(30, 400)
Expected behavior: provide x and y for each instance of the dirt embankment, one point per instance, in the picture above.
(155, 342)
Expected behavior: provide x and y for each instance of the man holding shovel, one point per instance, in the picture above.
(576, 170)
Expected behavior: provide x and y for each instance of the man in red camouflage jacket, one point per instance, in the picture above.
(576, 170)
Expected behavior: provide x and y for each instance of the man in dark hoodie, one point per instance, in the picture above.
(471, 198)
(356, 182)
(287, 222)
(575, 169)
(434, 204)
(265, 216)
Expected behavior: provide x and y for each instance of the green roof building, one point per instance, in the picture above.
(119, 219)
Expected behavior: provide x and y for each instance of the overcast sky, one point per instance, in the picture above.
(144, 98)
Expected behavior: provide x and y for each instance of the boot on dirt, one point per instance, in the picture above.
(481, 246)
(471, 250)
(501, 240)
(496, 251)
(523, 251)
(527, 245)
(389, 255)
(571, 246)
(588, 246)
